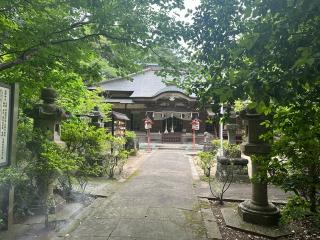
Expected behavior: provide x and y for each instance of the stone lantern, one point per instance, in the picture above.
(47, 115)
(257, 210)
(96, 117)
(47, 118)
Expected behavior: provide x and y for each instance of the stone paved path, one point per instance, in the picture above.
(157, 203)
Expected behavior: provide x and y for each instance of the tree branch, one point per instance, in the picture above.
(26, 54)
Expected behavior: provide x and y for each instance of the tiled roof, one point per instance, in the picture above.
(143, 84)
(169, 88)
(117, 100)
(119, 116)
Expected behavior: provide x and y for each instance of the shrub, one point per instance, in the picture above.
(217, 144)
(296, 209)
(130, 137)
(296, 150)
(118, 156)
(206, 162)
(232, 150)
(9, 176)
(89, 147)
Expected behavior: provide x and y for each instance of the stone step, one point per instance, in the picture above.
(171, 146)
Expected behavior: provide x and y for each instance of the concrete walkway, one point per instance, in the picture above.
(158, 202)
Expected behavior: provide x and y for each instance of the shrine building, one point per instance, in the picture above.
(171, 109)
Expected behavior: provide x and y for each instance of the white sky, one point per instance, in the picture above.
(189, 4)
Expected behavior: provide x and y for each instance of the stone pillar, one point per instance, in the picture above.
(232, 128)
(257, 210)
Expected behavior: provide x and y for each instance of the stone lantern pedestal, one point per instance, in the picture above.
(257, 210)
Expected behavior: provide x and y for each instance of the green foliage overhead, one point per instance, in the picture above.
(34, 30)
(265, 51)
(69, 44)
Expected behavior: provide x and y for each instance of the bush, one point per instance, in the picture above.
(118, 156)
(230, 150)
(206, 162)
(90, 147)
(39, 162)
(296, 150)
(9, 176)
(130, 137)
(298, 209)
(217, 144)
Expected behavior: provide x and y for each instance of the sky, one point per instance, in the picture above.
(189, 4)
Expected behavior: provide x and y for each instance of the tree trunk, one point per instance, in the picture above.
(313, 190)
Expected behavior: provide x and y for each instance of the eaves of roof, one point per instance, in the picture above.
(126, 77)
(191, 98)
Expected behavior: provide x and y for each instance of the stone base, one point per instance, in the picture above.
(261, 215)
(234, 220)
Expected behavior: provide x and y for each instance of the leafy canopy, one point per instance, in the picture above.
(66, 44)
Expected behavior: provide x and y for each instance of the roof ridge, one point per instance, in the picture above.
(129, 75)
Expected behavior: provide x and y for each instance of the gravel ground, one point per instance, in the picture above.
(301, 230)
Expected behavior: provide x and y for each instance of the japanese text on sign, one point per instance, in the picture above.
(4, 124)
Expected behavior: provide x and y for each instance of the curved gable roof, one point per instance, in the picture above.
(142, 84)
(169, 88)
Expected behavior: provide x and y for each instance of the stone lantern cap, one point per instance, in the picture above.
(251, 114)
(95, 113)
(47, 110)
(255, 144)
(48, 95)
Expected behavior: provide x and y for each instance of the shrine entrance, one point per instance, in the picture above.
(172, 125)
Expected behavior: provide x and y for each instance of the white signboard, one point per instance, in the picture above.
(4, 124)
(195, 125)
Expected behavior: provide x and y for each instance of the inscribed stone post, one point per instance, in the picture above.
(232, 129)
(9, 99)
